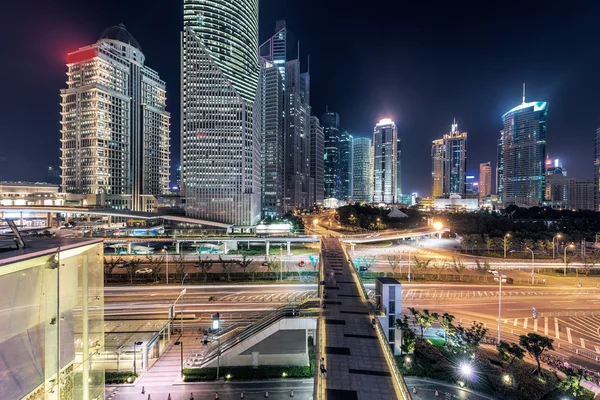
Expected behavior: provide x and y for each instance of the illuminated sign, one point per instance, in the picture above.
(83, 55)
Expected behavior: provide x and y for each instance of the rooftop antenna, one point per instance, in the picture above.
(326, 109)
(298, 50)
(308, 64)
(523, 92)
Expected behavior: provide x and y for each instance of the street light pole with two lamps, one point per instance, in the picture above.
(164, 249)
(532, 266)
(505, 241)
(557, 236)
(565, 257)
(501, 278)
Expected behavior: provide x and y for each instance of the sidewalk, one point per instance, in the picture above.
(426, 389)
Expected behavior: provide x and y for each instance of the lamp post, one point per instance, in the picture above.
(409, 266)
(215, 327)
(180, 343)
(134, 360)
(280, 262)
(378, 220)
(505, 240)
(565, 257)
(182, 294)
(557, 236)
(438, 227)
(532, 265)
(167, 258)
(501, 278)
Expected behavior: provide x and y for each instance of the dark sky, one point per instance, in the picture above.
(419, 62)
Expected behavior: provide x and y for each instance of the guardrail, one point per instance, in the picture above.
(584, 353)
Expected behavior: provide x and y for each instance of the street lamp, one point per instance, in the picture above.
(378, 220)
(557, 236)
(215, 328)
(134, 360)
(164, 249)
(180, 343)
(182, 294)
(532, 265)
(565, 257)
(409, 266)
(505, 240)
(501, 278)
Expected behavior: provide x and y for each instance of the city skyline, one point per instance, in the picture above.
(485, 94)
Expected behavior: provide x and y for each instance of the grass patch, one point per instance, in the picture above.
(119, 377)
(385, 243)
(245, 373)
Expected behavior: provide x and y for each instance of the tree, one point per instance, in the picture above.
(407, 336)
(528, 243)
(509, 352)
(156, 266)
(589, 261)
(370, 261)
(446, 322)
(179, 260)
(314, 261)
(541, 245)
(228, 266)
(131, 267)
(423, 319)
(438, 266)
(253, 268)
(204, 265)
(536, 345)
(394, 261)
(572, 383)
(482, 268)
(470, 338)
(109, 265)
(489, 243)
(244, 262)
(421, 264)
(460, 267)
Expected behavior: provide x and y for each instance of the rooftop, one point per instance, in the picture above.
(121, 34)
(537, 106)
(36, 247)
(388, 281)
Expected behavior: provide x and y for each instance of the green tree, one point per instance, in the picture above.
(589, 261)
(407, 336)
(204, 265)
(482, 268)
(421, 264)
(132, 267)
(541, 245)
(509, 352)
(370, 261)
(244, 262)
(536, 345)
(394, 261)
(109, 265)
(447, 324)
(228, 267)
(438, 266)
(489, 242)
(527, 243)
(423, 319)
(572, 383)
(460, 267)
(179, 260)
(470, 338)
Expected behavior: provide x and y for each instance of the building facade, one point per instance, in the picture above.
(449, 164)
(523, 151)
(331, 133)
(597, 170)
(385, 165)
(114, 125)
(317, 165)
(362, 170)
(346, 165)
(485, 180)
(220, 107)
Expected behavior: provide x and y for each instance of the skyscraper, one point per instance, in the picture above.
(115, 129)
(485, 180)
(274, 49)
(272, 98)
(385, 177)
(331, 132)
(449, 162)
(597, 170)
(362, 170)
(297, 137)
(524, 153)
(220, 108)
(317, 153)
(346, 165)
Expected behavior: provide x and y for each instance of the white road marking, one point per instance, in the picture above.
(535, 324)
(546, 326)
(556, 331)
(516, 320)
(582, 342)
(525, 323)
(569, 338)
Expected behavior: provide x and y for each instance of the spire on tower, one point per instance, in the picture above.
(523, 92)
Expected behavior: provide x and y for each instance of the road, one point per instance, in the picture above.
(278, 389)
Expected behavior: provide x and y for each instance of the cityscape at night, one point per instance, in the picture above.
(254, 199)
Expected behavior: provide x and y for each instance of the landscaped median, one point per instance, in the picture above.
(111, 378)
(245, 373)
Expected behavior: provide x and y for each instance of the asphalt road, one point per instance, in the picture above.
(426, 388)
(278, 389)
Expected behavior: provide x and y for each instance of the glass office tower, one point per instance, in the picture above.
(449, 162)
(386, 150)
(362, 170)
(331, 133)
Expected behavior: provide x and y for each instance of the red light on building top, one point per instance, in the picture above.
(82, 55)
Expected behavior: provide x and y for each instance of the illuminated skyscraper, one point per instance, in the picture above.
(597, 170)
(317, 153)
(115, 129)
(346, 163)
(362, 170)
(449, 162)
(331, 132)
(274, 50)
(485, 180)
(220, 108)
(523, 150)
(386, 150)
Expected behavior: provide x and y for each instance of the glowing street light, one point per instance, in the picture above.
(505, 240)
(465, 369)
(571, 246)
(558, 236)
(437, 225)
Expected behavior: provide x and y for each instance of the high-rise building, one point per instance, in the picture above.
(597, 170)
(331, 132)
(115, 129)
(500, 166)
(298, 188)
(386, 151)
(362, 170)
(272, 98)
(178, 176)
(581, 195)
(317, 153)
(485, 180)
(220, 108)
(524, 154)
(471, 187)
(274, 50)
(346, 164)
(449, 164)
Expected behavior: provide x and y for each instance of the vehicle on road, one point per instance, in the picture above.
(144, 271)
(493, 272)
(265, 264)
(363, 268)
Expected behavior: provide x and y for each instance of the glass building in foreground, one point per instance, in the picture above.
(523, 152)
(52, 308)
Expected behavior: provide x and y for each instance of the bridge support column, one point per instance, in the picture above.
(128, 247)
(289, 250)
(177, 247)
(49, 219)
(416, 241)
(352, 245)
(267, 246)
(21, 219)
(225, 248)
(145, 358)
(109, 220)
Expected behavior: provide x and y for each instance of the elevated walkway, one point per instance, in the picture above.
(357, 357)
(278, 338)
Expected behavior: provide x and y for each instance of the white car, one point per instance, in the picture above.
(493, 272)
(144, 271)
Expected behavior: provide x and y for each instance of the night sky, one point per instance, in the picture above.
(420, 62)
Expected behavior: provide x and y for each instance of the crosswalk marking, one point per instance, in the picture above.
(582, 342)
(535, 323)
(569, 338)
(597, 349)
(556, 328)
(546, 326)
(525, 323)
(516, 320)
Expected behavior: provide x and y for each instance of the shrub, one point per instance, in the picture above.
(118, 377)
